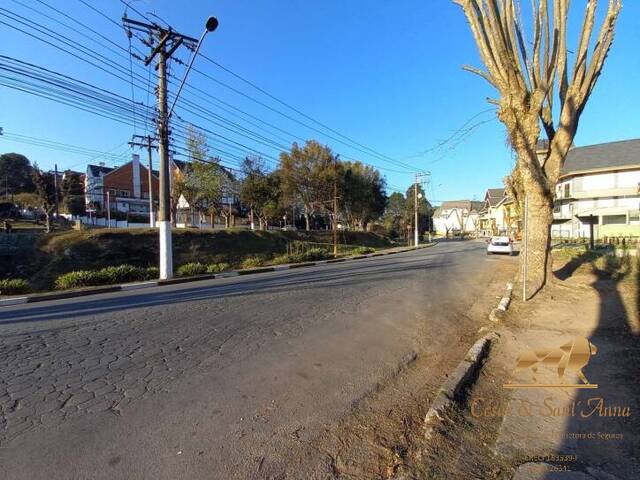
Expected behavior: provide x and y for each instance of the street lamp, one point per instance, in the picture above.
(165, 242)
(210, 26)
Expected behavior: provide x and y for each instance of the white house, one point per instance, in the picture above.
(457, 216)
(599, 184)
(492, 219)
(94, 185)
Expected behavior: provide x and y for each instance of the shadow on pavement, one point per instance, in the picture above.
(615, 369)
(265, 283)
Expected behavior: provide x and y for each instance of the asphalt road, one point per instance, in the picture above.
(220, 378)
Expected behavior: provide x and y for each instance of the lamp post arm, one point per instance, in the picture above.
(184, 77)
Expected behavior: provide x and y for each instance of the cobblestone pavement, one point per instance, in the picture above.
(107, 361)
(63, 362)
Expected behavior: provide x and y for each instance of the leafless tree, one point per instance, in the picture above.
(538, 92)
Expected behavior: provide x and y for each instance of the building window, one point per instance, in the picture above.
(634, 217)
(123, 193)
(567, 190)
(614, 220)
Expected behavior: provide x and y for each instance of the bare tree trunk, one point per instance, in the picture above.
(538, 260)
(48, 222)
(307, 222)
(530, 77)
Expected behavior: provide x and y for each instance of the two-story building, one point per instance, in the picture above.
(120, 189)
(599, 184)
(456, 217)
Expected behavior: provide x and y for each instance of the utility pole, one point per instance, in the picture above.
(109, 211)
(164, 213)
(163, 43)
(419, 176)
(335, 206)
(416, 236)
(55, 189)
(136, 141)
(6, 176)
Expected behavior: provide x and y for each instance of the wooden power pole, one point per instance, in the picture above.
(335, 205)
(163, 43)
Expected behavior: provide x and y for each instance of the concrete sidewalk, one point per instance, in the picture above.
(530, 424)
(563, 431)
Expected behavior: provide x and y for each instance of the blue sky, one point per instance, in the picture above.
(387, 74)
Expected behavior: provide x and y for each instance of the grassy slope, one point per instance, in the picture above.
(63, 252)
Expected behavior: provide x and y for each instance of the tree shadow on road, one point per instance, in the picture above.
(614, 368)
(297, 280)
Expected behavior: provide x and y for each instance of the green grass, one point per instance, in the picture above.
(58, 253)
(19, 226)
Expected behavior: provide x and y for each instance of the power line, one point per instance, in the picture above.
(460, 131)
(251, 135)
(282, 102)
(245, 132)
(63, 147)
(235, 128)
(289, 117)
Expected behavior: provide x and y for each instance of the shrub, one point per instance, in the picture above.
(316, 254)
(362, 250)
(191, 269)
(105, 276)
(218, 267)
(14, 286)
(308, 256)
(153, 273)
(252, 262)
(282, 259)
(123, 274)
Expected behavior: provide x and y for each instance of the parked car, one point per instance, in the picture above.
(500, 245)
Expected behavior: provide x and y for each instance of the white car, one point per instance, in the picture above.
(500, 245)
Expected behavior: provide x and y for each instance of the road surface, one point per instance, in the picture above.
(222, 378)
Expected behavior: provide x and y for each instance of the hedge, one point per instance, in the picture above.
(191, 269)
(362, 250)
(310, 255)
(105, 276)
(14, 286)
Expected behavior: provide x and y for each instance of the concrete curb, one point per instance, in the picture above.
(302, 265)
(336, 260)
(459, 378)
(498, 313)
(251, 271)
(42, 297)
(174, 281)
(139, 285)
